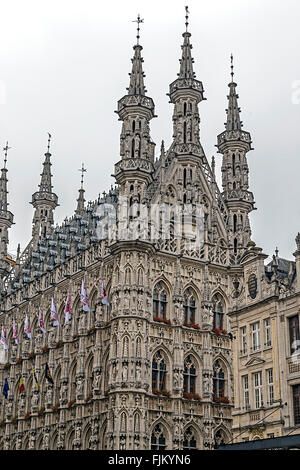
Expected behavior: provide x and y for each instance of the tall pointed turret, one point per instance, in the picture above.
(135, 109)
(234, 143)
(136, 85)
(6, 220)
(44, 202)
(186, 93)
(81, 200)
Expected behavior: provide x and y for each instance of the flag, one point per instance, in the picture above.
(53, 313)
(47, 374)
(83, 298)
(41, 322)
(5, 388)
(15, 332)
(103, 293)
(21, 385)
(27, 327)
(68, 309)
(35, 379)
(3, 338)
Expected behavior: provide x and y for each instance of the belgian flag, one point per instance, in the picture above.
(47, 374)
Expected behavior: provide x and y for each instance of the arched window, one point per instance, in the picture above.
(184, 109)
(218, 381)
(123, 423)
(220, 438)
(158, 440)
(127, 276)
(218, 312)
(159, 302)
(189, 376)
(158, 372)
(137, 423)
(189, 306)
(184, 178)
(189, 441)
(140, 276)
(184, 132)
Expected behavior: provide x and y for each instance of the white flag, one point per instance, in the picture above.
(41, 322)
(104, 298)
(53, 313)
(83, 298)
(3, 338)
(27, 327)
(15, 333)
(68, 309)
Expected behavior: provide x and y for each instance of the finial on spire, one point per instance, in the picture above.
(138, 21)
(83, 170)
(49, 140)
(232, 66)
(5, 149)
(186, 18)
(276, 252)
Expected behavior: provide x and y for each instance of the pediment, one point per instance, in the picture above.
(254, 361)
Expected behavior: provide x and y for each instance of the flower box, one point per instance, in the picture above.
(191, 396)
(162, 320)
(6, 366)
(45, 349)
(41, 411)
(165, 393)
(55, 407)
(70, 403)
(219, 331)
(58, 344)
(31, 355)
(75, 336)
(192, 325)
(91, 330)
(223, 400)
(89, 398)
(19, 360)
(27, 416)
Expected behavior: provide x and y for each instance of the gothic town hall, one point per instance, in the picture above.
(125, 342)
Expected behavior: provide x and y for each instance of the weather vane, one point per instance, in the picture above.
(82, 170)
(186, 17)
(138, 21)
(49, 139)
(5, 149)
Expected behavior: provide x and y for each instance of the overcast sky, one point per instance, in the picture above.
(64, 65)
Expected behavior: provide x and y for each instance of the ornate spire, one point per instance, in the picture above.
(81, 200)
(6, 218)
(234, 124)
(234, 144)
(186, 61)
(3, 182)
(136, 110)
(44, 200)
(136, 85)
(186, 93)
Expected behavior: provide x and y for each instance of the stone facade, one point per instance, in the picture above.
(154, 368)
(266, 351)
